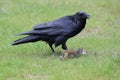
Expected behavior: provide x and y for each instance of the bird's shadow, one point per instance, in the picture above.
(53, 54)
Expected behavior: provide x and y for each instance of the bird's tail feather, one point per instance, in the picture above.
(26, 40)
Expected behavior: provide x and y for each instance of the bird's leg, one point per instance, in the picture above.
(51, 48)
(64, 46)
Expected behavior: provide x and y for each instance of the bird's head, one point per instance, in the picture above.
(83, 15)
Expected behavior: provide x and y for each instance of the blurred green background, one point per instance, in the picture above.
(101, 36)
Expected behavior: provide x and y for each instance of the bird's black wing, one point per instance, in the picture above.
(61, 26)
(52, 24)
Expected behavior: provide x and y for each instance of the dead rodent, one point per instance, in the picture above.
(71, 53)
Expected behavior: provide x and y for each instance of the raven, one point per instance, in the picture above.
(56, 32)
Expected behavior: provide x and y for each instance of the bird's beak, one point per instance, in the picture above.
(88, 16)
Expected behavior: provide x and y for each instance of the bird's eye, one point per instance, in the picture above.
(80, 14)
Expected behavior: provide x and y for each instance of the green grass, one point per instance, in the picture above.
(35, 61)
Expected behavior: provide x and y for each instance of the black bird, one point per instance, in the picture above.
(56, 32)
